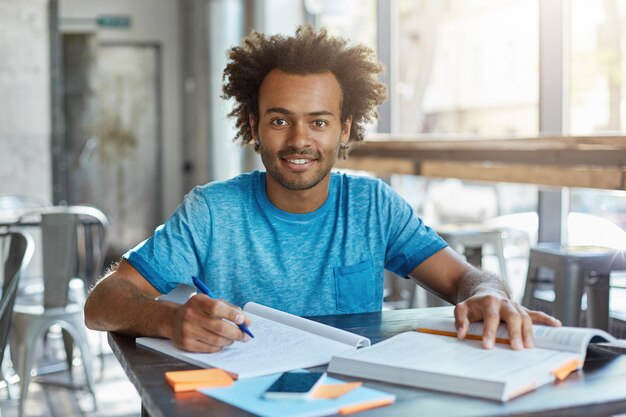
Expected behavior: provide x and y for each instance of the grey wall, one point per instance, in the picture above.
(25, 163)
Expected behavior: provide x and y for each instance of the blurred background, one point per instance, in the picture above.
(116, 105)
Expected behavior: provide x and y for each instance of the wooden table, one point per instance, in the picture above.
(598, 390)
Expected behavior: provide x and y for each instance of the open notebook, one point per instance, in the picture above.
(282, 342)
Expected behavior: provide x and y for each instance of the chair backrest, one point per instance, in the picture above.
(74, 243)
(16, 250)
(93, 243)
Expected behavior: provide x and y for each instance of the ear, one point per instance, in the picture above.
(252, 122)
(345, 129)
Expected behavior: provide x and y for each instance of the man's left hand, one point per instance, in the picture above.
(492, 307)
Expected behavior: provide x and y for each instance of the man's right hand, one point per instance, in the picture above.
(204, 324)
(124, 302)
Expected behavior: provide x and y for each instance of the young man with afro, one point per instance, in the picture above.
(297, 237)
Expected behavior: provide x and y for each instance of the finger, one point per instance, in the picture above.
(491, 321)
(200, 338)
(201, 345)
(527, 328)
(223, 328)
(246, 319)
(221, 309)
(205, 343)
(513, 319)
(461, 320)
(539, 317)
(211, 315)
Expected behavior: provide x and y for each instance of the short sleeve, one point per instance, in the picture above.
(409, 242)
(175, 252)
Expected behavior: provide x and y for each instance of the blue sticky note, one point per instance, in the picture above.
(247, 394)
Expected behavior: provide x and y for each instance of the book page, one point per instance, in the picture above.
(447, 355)
(570, 339)
(323, 330)
(275, 348)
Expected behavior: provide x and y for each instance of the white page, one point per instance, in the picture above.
(275, 348)
(310, 326)
(570, 339)
(448, 355)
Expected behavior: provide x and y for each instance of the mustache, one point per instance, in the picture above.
(301, 152)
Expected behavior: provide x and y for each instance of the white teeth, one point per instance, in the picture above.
(298, 161)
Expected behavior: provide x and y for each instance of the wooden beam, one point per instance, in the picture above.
(588, 162)
(560, 176)
(549, 151)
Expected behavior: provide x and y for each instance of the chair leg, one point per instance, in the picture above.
(499, 248)
(568, 286)
(79, 335)
(68, 345)
(598, 290)
(4, 368)
(474, 255)
(26, 352)
(531, 282)
(101, 354)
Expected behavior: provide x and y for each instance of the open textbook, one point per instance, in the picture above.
(282, 342)
(433, 358)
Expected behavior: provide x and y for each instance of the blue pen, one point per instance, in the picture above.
(205, 290)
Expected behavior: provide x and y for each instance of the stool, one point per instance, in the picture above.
(468, 239)
(577, 269)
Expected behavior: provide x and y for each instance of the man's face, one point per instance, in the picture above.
(299, 128)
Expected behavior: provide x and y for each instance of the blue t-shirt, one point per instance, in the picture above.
(328, 261)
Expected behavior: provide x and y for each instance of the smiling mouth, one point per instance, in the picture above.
(298, 161)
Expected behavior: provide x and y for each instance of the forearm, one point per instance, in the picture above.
(117, 305)
(476, 281)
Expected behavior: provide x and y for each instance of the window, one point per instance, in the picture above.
(352, 19)
(597, 99)
(467, 67)
(597, 94)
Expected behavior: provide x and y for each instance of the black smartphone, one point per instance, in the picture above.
(294, 385)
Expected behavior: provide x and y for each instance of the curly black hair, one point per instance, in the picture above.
(308, 52)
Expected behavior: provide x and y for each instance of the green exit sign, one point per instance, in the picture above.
(116, 22)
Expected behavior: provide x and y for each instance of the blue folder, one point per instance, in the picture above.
(247, 394)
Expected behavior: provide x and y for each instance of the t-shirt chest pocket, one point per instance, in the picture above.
(355, 288)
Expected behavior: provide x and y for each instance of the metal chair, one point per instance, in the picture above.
(576, 271)
(16, 250)
(64, 250)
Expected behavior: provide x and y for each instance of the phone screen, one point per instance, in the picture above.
(294, 385)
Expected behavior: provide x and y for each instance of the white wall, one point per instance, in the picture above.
(25, 161)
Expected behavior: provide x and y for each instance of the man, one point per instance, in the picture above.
(296, 238)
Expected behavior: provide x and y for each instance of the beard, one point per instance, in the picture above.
(296, 181)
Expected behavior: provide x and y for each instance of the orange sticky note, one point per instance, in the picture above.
(351, 409)
(562, 372)
(181, 381)
(330, 391)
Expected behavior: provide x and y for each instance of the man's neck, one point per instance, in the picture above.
(297, 201)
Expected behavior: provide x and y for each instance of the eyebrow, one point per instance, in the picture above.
(283, 110)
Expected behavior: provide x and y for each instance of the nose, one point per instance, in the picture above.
(299, 136)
